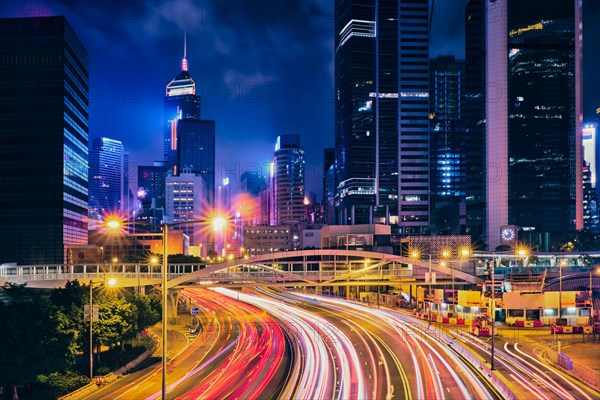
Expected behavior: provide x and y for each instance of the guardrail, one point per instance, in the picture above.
(577, 370)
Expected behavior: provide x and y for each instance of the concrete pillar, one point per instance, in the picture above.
(173, 300)
(318, 290)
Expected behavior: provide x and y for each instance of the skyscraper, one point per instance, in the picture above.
(181, 102)
(106, 186)
(189, 141)
(447, 145)
(473, 117)
(186, 201)
(151, 185)
(328, 186)
(126, 207)
(44, 135)
(288, 181)
(196, 151)
(382, 113)
(533, 110)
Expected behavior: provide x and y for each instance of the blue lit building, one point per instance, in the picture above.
(448, 144)
(44, 136)
(106, 178)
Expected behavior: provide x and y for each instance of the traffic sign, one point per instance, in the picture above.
(86, 313)
(195, 311)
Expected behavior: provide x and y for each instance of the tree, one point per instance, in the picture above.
(147, 311)
(116, 320)
(183, 259)
(32, 339)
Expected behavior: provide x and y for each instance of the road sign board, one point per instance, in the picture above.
(195, 311)
(86, 313)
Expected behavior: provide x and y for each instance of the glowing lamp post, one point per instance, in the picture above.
(111, 282)
(115, 224)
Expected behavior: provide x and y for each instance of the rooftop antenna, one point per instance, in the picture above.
(184, 63)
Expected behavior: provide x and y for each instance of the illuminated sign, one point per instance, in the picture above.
(533, 27)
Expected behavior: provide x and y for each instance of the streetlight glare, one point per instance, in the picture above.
(112, 282)
(113, 223)
(154, 260)
(445, 253)
(522, 252)
(465, 252)
(218, 223)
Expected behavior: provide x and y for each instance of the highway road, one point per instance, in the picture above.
(262, 343)
(239, 354)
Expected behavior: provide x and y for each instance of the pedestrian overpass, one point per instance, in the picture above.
(322, 267)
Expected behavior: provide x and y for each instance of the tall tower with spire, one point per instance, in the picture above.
(189, 141)
(181, 102)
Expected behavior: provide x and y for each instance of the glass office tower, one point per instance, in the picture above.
(106, 176)
(44, 135)
(534, 152)
(382, 113)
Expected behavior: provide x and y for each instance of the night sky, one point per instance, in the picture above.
(262, 68)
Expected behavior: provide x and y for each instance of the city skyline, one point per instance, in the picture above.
(126, 96)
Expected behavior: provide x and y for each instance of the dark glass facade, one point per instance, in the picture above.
(151, 185)
(381, 139)
(473, 117)
(181, 102)
(328, 186)
(105, 177)
(542, 115)
(44, 135)
(196, 151)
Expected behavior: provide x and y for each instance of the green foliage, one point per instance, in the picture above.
(58, 384)
(32, 329)
(117, 320)
(148, 311)
(115, 358)
(41, 337)
(184, 259)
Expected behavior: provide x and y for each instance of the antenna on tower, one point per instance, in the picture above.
(184, 63)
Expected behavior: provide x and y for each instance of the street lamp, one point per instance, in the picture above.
(493, 309)
(597, 271)
(446, 254)
(464, 254)
(115, 224)
(563, 262)
(415, 254)
(111, 282)
(153, 261)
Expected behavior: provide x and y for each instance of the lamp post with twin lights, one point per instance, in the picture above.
(115, 225)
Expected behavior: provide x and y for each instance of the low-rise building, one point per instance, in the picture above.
(260, 239)
(130, 247)
(369, 237)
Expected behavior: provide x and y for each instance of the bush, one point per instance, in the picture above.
(57, 384)
(115, 358)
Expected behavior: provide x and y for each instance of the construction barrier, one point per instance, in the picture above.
(567, 329)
